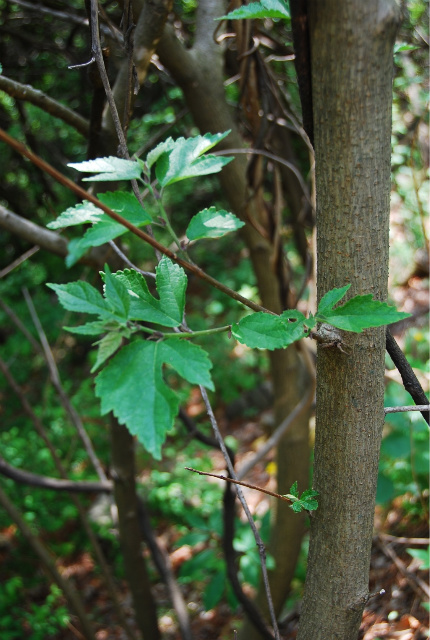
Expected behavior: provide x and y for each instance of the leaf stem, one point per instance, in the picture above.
(184, 335)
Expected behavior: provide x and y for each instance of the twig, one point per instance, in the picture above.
(67, 588)
(128, 262)
(85, 195)
(258, 540)
(278, 433)
(44, 102)
(62, 15)
(242, 484)
(275, 158)
(418, 585)
(413, 407)
(56, 381)
(410, 381)
(54, 484)
(403, 540)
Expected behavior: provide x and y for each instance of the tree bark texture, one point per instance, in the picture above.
(122, 452)
(352, 68)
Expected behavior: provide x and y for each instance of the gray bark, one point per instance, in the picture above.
(352, 67)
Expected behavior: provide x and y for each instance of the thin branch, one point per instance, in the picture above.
(42, 238)
(72, 595)
(62, 15)
(54, 484)
(242, 484)
(21, 326)
(413, 407)
(85, 195)
(279, 433)
(128, 262)
(64, 398)
(39, 99)
(418, 585)
(81, 511)
(258, 540)
(15, 263)
(275, 158)
(410, 381)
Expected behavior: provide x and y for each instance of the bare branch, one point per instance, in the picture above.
(64, 398)
(41, 100)
(62, 15)
(43, 238)
(258, 540)
(410, 381)
(413, 407)
(55, 484)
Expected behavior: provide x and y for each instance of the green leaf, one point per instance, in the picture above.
(76, 248)
(212, 223)
(294, 490)
(132, 386)
(267, 331)
(82, 297)
(109, 168)
(297, 507)
(331, 298)
(422, 555)
(171, 283)
(183, 158)
(90, 328)
(116, 294)
(83, 212)
(263, 9)
(110, 343)
(361, 312)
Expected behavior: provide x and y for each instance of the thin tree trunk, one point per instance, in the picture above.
(122, 452)
(352, 67)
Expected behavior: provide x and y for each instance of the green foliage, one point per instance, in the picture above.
(306, 502)
(183, 158)
(18, 620)
(108, 169)
(267, 331)
(423, 557)
(263, 9)
(212, 223)
(132, 386)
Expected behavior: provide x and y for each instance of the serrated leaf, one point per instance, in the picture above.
(309, 504)
(297, 507)
(110, 168)
(82, 297)
(256, 10)
(189, 360)
(361, 312)
(79, 214)
(294, 490)
(110, 343)
(212, 223)
(116, 294)
(265, 331)
(331, 298)
(182, 158)
(89, 329)
(171, 283)
(132, 386)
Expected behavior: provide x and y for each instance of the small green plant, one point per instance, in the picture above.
(127, 307)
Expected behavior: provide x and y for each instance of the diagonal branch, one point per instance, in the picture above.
(39, 99)
(54, 484)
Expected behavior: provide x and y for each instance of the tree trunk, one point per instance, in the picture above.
(352, 68)
(122, 452)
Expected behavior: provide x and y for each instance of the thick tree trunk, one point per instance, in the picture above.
(352, 66)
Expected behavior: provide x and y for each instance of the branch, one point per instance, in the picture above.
(410, 381)
(85, 195)
(258, 540)
(55, 484)
(44, 238)
(62, 15)
(64, 398)
(414, 407)
(41, 100)
(71, 594)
